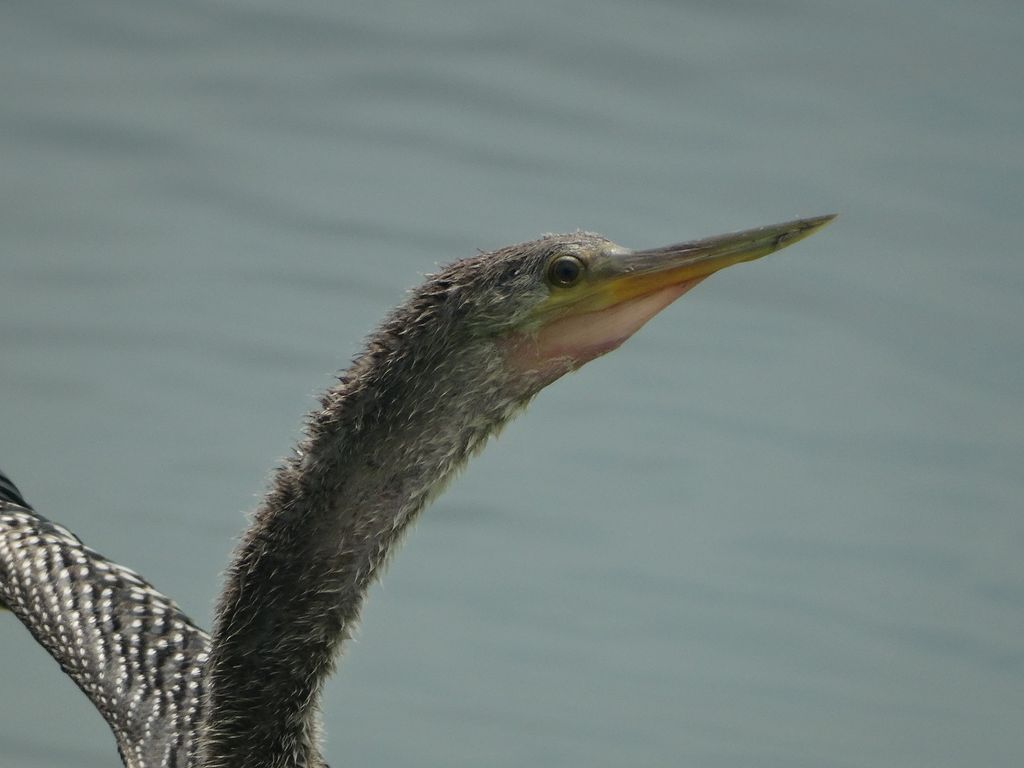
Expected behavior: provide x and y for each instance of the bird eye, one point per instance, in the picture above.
(564, 271)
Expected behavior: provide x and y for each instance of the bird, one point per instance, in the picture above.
(444, 372)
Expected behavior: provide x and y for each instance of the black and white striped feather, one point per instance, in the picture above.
(130, 649)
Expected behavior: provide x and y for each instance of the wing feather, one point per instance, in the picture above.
(131, 650)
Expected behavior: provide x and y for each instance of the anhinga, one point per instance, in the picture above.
(445, 371)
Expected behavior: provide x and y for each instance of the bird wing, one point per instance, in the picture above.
(131, 650)
(9, 491)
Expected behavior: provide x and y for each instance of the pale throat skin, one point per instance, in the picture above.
(570, 342)
(445, 371)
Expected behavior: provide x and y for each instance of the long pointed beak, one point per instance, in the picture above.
(628, 274)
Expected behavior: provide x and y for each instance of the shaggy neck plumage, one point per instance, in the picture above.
(408, 413)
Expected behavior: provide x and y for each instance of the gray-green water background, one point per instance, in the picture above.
(780, 527)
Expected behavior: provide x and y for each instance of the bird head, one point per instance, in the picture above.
(555, 303)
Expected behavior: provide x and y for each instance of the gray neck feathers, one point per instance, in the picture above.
(402, 420)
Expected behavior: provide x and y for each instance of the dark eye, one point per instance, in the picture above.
(563, 271)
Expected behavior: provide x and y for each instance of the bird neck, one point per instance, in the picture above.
(385, 440)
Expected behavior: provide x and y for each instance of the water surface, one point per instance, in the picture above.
(781, 527)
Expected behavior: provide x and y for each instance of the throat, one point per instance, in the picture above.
(566, 343)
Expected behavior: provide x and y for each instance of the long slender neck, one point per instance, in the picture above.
(383, 444)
